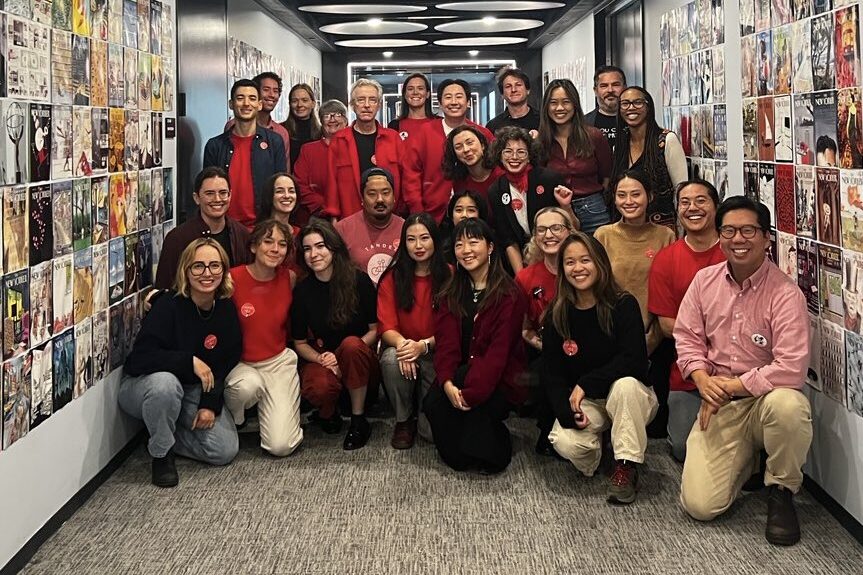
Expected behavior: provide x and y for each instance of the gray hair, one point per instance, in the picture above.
(368, 82)
(332, 107)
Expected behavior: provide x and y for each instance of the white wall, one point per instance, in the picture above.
(576, 43)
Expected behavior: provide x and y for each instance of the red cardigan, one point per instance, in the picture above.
(344, 197)
(311, 174)
(497, 355)
(425, 188)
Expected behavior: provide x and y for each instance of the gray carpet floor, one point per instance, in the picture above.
(377, 510)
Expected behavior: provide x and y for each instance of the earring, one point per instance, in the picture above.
(489, 259)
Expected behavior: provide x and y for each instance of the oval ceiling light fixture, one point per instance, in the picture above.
(362, 9)
(473, 53)
(484, 25)
(381, 43)
(373, 28)
(501, 6)
(480, 41)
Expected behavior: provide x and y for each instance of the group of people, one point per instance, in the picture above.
(561, 262)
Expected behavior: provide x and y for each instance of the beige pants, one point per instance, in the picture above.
(721, 459)
(273, 385)
(629, 407)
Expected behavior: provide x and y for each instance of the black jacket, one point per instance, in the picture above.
(506, 226)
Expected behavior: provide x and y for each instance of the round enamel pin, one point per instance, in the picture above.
(759, 340)
(264, 145)
(570, 348)
(505, 199)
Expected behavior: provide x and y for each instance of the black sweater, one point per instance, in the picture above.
(600, 360)
(173, 332)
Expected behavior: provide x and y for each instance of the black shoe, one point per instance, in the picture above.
(331, 425)
(358, 434)
(165, 471)
(783, 528)
(545, 448)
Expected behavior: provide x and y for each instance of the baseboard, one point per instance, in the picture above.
(20, 560)
(848, 521)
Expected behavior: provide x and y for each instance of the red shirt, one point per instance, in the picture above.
(242, 206)
(408, 126)
(416, 324)
(672, 271)
(264, 310)
(540, 287)
(311, 173)
(583, 176)
(479, 187)
(372, 249)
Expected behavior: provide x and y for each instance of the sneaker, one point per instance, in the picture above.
(404, 434)
(624, 480)
(165, 471)
(783, 528)
(358, 434)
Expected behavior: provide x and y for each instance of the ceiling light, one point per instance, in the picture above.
(375, 22)
(473, 52)
(488, 19)
(388, 54)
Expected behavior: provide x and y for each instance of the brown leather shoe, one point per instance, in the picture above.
(783, 528)
(404, 434)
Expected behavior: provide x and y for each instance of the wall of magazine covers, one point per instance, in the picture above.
(799, 119)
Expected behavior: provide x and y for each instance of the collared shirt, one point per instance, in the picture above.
(758, 332)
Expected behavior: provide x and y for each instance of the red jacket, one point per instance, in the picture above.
(344, 196)
(312, 174)
(425, 189)
(497, 356)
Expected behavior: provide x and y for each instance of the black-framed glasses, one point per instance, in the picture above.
(637, 104)
(198, 268)
(748, 232)
(333, 116)
(556, 229)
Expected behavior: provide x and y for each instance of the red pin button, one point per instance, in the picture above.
(210, 341)
(570, 348)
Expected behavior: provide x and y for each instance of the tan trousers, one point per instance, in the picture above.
(629, 407)
(273, 385)
(721, 459)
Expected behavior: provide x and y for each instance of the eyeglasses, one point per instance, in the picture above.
(699, 202)
(555, 229)
(637, 104)
(198, 268)
(211, 195)
(333, 116)
(508, 153)
(748, 232)
(363, 101)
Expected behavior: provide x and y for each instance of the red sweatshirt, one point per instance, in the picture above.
(311, 173)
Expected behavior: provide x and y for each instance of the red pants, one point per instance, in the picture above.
(359, 366)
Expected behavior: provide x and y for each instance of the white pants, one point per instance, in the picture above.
(274, 386)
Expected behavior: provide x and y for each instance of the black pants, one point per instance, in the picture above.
(658, 376)
(475, 439)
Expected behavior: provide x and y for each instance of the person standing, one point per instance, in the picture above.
(416, 106)
(312, 166)
(302, 123)
(270, 86)
(514, 85)
(608, 83)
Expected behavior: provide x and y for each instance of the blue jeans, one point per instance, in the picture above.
(591, 212)
(168, 409)
(683, 409)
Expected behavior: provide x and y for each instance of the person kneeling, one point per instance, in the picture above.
(595, 362)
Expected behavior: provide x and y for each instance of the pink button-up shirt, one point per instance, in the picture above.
(759, 333)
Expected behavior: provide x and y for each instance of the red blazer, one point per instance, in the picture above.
(344, 196)
(425, 189)
(311, 173)
(497, 355)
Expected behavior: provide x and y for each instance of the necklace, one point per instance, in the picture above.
(476, 294)
(206, 316)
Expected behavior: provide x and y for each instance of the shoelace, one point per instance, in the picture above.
(622, 474)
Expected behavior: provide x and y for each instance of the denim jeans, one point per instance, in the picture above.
(591, 211)
(168, 409)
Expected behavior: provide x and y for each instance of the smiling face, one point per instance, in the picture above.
(365, 103)
(269, 94)
(271, 251)
(561, 108)
(464, 208)
(419, 243)
(468, 149)
(213, 198)
(514, 156)
(284, 195)
(472, 253)
(514, 91)
(206, 258)
(246, 103)
(550, 230)
(316, 254)
(333, 122)
(416, 93)
(301, 103)
(454, 103)
(579, 269)
(695, 209)
(744, 255)
(633, 107)
(631, 201)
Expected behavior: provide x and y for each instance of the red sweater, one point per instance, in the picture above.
(344, 197)
(540, 287)
(416, 324)
(497, 354)
(425, 189)
(264, 310)
(311, 174)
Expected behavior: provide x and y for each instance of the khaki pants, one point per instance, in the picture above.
(721, 459)
(629, 407)
(272, 384)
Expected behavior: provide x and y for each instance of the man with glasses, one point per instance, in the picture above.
(671, 273)
(608, 83)
(270, 86)
(363, 145)
(742, 336)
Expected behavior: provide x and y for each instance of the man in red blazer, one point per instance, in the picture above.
(425, 189)
(363, 145)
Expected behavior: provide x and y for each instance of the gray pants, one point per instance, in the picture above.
(683, 409)
(403, 392)
(168, 409)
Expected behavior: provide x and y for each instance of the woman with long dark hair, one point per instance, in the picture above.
(595, 362)
(302, 123)
(280, 201)
(467, 161)
(577, 151)
(643, 145)
(334, 324)
(406, 324)
(416, 106)
(463, 204)
(478, 355)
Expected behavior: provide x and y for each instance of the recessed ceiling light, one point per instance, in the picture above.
(388, 54)
(473, 52)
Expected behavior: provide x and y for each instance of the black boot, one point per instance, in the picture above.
(165, 471)
(783, 528)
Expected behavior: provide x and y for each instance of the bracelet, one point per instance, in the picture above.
(426, 343)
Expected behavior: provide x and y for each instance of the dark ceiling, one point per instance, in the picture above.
(536, 22)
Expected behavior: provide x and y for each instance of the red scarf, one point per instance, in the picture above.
(519, 179)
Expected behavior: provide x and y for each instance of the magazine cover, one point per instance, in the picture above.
(804, 130)
(144, 80)
(155, 27)
(766, 130)
(62, 217)
(807, 273)
(852, 290)
(849, 130)
(100, 277)
(130, 281)
(130, 23)
(115, 76)
(132, 153)
(747, 17)
(780, 12)
(786, 220)
(14, 143)
(694, 75)
(782, 57)
(83, 288)
(145, 259)
(41, 310)
(61, 142)
(28, 59)
(707, 135)
(158, 195)
(116, 270)
(854, 366)
(695, 132)
(117, 211)
(830, 284)
(764, 61)
(750, 180)
(131, 322)
(156, 138)
(101, 364)
(41, 224)
(801, 9)
(131, 182)
(824, 112)
(99, 19)
(64, 368)
(750, 129)
(83, 358)
(145, 205)
(99, 141)
(116, 141)
(851, 191)
(40, 142)
(130, 79)
(61, 67)
(16, 401)
(787, 258)
(168, 226)
(721, 180)
(718, 21)
(833, 361)
(82, 129)
(784, 144)
(705, 23)
(81, 70)
(168, 178)
(681, 80)
(718, 59)
(168, 30)
(15, 228)
(762, 15)
(61, 14)
(156, 76)
(766, 188)
(828, 205)
(158, 236)
(117, 338)
(81, 17)
(684, 41)
(63, 280)
(16, 313)
(82, 215)
(115, 21)
(847, 42)
(822, 52)
(98, 73)
(748, 67)
(143, 25)
(801, 56)
(664, 39)
(99, 193)
(41, 384)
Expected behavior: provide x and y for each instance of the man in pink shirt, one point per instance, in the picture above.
(742, 336)
(373, 234)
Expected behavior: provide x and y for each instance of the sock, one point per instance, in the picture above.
(357, 420)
